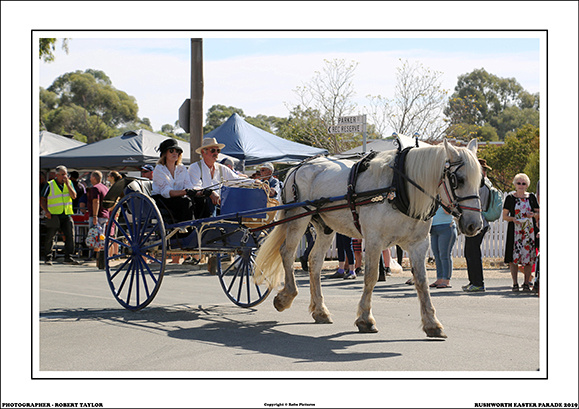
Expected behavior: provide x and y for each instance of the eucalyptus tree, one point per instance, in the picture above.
(87, 105)
(482, 99)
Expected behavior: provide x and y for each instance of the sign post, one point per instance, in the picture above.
(351, 124)
(196, 103)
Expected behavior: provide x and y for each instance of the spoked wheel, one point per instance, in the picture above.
(136, 272)
(237, 280)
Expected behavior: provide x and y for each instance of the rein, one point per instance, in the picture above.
(377, 195)
(373, 196)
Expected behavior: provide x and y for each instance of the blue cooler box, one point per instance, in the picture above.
(239, 199)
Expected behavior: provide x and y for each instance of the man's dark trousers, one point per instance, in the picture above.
(473, 255)
(65, 224)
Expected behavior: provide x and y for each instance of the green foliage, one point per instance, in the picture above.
(468, 131)
(306, 126)
(86, 103)
(519, 154)
(48, 45)
(217, 115)
(144, 123)
(267, 123)
(533, 170)
(484, 99)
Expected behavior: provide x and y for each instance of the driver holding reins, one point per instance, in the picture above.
(207, 175)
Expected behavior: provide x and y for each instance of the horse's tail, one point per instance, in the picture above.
(269, 263)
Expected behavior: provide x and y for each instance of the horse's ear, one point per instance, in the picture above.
(472, 146)
(451, 152)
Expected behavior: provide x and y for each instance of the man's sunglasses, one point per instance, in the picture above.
(213, 150)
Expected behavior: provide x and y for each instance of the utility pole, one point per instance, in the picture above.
(196, 106)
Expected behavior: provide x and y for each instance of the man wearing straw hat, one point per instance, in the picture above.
(207, 176)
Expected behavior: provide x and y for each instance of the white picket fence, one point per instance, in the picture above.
(493, 245)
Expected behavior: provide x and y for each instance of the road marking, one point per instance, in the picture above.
(83, 295)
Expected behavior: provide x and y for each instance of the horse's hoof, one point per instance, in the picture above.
(435, 333)
(278, 304)
(322, 319)
(366, 327)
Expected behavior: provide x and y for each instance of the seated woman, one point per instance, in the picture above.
(171, 182)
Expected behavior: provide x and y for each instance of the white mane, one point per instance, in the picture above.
(424, 166)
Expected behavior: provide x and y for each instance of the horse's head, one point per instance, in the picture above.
(460, 186)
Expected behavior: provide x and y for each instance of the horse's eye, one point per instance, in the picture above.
(459, 181)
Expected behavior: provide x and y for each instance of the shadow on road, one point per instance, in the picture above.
(232, 327)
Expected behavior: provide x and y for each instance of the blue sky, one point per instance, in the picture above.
(217, 49)
(223, 48)
(260, 74)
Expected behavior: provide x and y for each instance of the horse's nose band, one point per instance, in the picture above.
(454, 207)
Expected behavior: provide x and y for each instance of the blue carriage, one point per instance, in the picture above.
(142, 236)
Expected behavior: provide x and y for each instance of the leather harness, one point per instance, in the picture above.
(396, 194)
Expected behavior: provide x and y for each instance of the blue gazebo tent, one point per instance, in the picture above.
(254, 145)
(125, 152)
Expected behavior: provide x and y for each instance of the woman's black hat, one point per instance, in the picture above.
(168, 144)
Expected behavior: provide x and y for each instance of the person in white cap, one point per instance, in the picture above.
(266, 175)
(207, 175)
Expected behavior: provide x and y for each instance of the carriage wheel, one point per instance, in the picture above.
(237, 280)
(136, 272)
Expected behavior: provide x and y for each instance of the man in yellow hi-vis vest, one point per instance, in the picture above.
(56, 201)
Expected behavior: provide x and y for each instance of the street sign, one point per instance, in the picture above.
(359, 128)
(184, 112)
(349, 124)
(356, 119)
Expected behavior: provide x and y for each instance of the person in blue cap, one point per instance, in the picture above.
(147, 171)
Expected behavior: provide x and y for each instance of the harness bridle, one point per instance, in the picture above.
(448, 175)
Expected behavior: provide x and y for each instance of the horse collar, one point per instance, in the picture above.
(400, 200)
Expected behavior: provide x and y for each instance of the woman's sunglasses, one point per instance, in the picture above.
(522, 183)
(173, 150)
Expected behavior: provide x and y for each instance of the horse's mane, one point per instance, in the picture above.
(425, 166)
(472, 169)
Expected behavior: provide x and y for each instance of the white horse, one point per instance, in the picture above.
(453, 173)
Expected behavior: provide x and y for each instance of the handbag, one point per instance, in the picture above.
(95, 238)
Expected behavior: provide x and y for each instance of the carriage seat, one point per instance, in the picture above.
(139, 185)
(145, 187)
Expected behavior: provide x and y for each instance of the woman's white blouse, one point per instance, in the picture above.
(164, 182)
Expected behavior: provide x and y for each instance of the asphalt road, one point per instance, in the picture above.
(194, 331)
